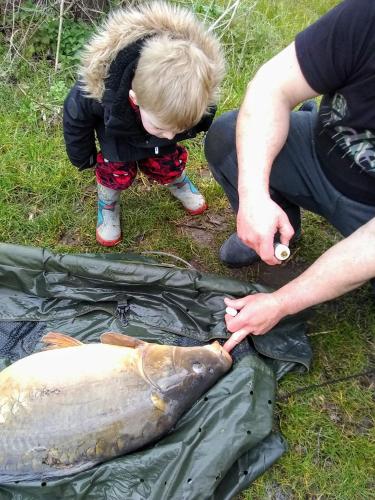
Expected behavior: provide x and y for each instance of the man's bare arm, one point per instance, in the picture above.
(345, 266)
(262, 129)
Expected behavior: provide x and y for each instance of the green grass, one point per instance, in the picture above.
(44, 201)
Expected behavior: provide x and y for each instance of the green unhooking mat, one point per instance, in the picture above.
(225, 440)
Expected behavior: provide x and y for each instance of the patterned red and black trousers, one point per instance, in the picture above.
(161, 169)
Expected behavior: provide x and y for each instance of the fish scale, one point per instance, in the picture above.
(66, 409)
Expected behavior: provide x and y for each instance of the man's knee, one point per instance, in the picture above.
(221, 138)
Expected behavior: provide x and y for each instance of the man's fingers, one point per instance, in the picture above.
(267, 252)
(251, 243)
(235, 339)
(286, 231)
(235, 303)
(235, 323)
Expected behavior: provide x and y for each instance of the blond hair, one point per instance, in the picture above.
(180, 66)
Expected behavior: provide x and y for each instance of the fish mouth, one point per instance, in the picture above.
(222, 352)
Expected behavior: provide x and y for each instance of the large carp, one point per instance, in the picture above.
(66, 409)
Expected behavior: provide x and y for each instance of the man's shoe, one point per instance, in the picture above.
(234, 253)
(108, 229)
(187, 193)
(309, 105)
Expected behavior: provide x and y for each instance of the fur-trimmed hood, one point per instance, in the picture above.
(125, 26)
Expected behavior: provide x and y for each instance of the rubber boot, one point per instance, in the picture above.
(108, 229)
(187, 193)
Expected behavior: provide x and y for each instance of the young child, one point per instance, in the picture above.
(148, 79)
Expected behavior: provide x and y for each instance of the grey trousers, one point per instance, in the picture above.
(296, 179)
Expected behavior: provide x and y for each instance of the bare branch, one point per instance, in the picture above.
(59, 34)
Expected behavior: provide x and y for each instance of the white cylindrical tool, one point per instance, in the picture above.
(282, 252)
(231, 311)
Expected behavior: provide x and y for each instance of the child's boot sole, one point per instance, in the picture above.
(107, 243)
(198, 211)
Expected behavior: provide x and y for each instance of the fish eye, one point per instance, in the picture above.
(198, 367)
(211, 370)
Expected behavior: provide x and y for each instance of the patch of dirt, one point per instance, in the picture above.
(279, 492)
(70, 238)
(300, 450)
(278, 276)
(205, 173)
(364, 426)
(34, 213)
(349, 424)
(271, 276)
(333, 412)
(200, 235)
(203, 229)
(198, 265)
(368, 381)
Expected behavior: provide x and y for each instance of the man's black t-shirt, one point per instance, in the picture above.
(337, 57)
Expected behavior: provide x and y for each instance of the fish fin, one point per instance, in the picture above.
(120, 339)
(159, 402)
(55, 340)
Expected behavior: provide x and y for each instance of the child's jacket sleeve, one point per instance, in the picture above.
(79, 129)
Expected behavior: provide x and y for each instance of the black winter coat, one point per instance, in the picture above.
(120, 139)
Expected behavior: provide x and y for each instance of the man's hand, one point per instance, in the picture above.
(345, 266)
(257, 314)
(258, 224)
(261, 132)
